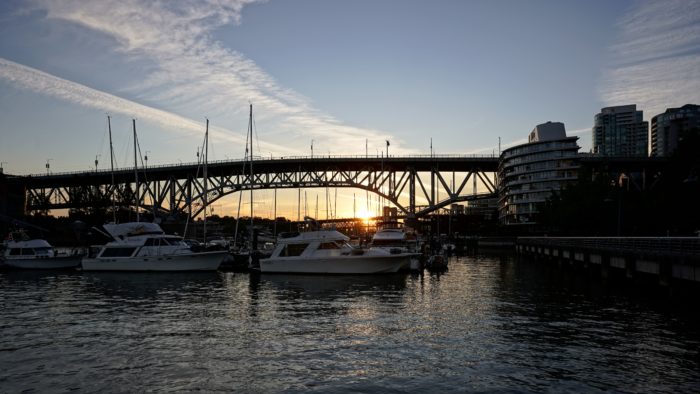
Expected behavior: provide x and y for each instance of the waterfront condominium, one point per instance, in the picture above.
(620, 131)
(528, 174)
(669, 128)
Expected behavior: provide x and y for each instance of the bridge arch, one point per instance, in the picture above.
(181, 188)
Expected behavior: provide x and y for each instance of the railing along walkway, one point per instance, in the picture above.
(675, 246)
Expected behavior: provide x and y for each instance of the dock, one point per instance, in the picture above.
(668, 259)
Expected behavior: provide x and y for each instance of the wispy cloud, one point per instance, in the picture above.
(50, 85)
(195, 72)
(656, 59)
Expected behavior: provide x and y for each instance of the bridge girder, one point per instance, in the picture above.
(181, 189)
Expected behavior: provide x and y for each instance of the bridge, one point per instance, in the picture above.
(436, 180)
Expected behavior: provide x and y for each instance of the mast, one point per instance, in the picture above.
(111, 162)
(240, 195)
(206, 179)
(354, 214)
(250, 129)
(136, 171)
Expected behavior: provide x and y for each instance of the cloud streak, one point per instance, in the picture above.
(195, 72)
(656, 59)
(38, 81)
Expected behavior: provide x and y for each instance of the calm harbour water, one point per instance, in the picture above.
(489, 324)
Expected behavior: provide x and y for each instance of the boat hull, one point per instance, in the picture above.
(205, 261)
(335, 264)
(64, 262)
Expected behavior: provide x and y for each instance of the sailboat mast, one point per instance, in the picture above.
(136, 171)
(206, 178)
(250, 126)
(111, 162)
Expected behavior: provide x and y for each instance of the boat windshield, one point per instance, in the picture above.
(21, 251)
(330, 245)
(44, 251)
(117, 252)
(344, 245)
(387, 242)
(293, 249)
(164, 241)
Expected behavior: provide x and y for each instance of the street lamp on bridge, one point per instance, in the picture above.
(96, 162)
(48, 166)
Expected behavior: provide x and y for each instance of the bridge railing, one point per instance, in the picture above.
(270, 158)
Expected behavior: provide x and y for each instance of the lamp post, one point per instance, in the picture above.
(1, 169)
(387, 148)
(96, 162)
(48, 167)
(312, 149)
(145, 157)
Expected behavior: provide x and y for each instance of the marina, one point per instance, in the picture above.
(463, 196)
(490, 323)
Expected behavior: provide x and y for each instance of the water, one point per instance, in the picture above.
(489, 324)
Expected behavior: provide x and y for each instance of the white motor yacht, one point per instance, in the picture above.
(139, 246)
(328, 252)
(22, 252)
(391, 237)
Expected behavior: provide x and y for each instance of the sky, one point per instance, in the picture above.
(340, 75)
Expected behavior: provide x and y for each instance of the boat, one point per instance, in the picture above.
(22, 252)
(392, 237)
(437, 263)
(325, 251)
(141, 246)
(246, 258)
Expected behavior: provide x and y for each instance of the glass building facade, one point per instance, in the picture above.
(620, 131)
(668, 128)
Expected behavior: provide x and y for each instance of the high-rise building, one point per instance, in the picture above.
(620, 131)
(668, 128)
(528, 174)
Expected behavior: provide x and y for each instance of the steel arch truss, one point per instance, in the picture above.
(184, 192)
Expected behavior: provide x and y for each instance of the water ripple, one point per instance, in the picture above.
(488, 324)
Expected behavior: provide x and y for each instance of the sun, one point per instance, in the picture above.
(364, 215)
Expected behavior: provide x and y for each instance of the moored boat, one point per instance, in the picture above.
(24, 253)
(392, 238)
(139, 246)
(328, 252)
